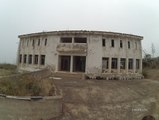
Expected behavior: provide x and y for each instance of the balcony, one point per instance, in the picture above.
(80, 48)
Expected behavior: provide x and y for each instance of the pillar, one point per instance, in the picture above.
(110, 64)
(118, 65)
(127, 65)
(71, 65)
(134, 65)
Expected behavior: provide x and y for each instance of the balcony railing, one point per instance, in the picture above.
(72, 48)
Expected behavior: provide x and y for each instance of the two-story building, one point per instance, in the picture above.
(89, 52)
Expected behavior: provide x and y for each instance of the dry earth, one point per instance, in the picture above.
(108, 100)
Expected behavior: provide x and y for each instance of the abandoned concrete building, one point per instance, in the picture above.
(88, 52)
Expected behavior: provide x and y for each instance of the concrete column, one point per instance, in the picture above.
(71, 65)
(110, 64)
(33, 59)
(118, 65)
(134, 65)
(39, 60)
(127, 65)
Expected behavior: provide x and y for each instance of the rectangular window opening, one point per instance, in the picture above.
(36, 59)
(80, 40)
(42, 59)
(130, 64)
(129, 44)
(45, 42)
(103, 42)
(38, 42)
(114, 63)
(25, 59)
(105, 63)
(30, 59)
(66, 40)
(137, 63)
(20, 58)
(112, 43)
(121, 44)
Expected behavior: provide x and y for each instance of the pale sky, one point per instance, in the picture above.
(140, 17)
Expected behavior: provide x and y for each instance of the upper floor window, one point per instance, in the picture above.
(121, 44)
(129, 44)
(33, 43)
(112, 43)
(38, 42)
(103, 42)
(66, 40)
(80, 40)
(136, 45)
(45, 42)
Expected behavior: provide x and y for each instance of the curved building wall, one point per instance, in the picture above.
(81, 51)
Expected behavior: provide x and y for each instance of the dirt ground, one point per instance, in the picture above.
(108, 99)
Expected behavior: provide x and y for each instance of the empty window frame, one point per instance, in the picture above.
(114, 63)
(137, 63)
(25, 58)
(122, 63)
(38, 42)
(112, 43)
(80, 40)
(36, 59)
(42, 59)
(130, 64)
(105, 63)
(103, 42)
(33, 43)
(20, 58)
(66, 40)
(129, 44)
(27, 42)
(45, 42)
(30, 59)
(121, 44)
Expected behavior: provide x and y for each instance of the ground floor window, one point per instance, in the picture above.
(20, 58)
(122, 63)
(36, 59)
(30, 59)
(42, 59)
(105, 63)
(130, 64)
(114, 63)
(25, 58)
(137, 63)
(79, 63)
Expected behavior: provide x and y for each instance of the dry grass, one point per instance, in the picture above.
(7, 69)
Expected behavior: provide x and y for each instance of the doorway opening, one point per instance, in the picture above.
(79, 63)
(64, 63)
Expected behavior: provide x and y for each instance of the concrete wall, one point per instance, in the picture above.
(25, 108)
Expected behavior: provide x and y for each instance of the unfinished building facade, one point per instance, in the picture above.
(95, 53)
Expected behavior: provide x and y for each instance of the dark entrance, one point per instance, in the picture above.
(79, 63)
(65, 63)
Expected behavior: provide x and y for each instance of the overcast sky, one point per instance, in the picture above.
(140, 17)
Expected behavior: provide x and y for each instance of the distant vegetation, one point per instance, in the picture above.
(7, 69)
(151, 67)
